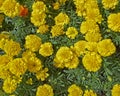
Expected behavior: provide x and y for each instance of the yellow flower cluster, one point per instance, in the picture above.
(38, 16)
(109, 4)
(75, 90)
(116, 90)
(10, 47)
(46, 49)
(44, 90)
(10, 8)
(72, 32)
(89, 9)
(113, 22)
(65, 57)
(33, 42)
(60, 20)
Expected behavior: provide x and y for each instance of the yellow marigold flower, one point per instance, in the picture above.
(38, 18)
(44, 90)
(89, 93)
(93, 14)
(61, 19)
(42, 74)
(106, 47)
(109, 4)
(80, 8)
(9, 85)
(39, 6)
(12, 48)
(34, 64)
(1, 19)
(57, 30)
(91, 47)
(92, 62)
(72, 32)
(89, 26)
(17, 66)
(29, 81)
(116, 90)
(79, 47)
(10, 8)
(93, 36)
(56, 5)
(58, 63)
(43, 29)
(113, 22)
(64, 54)
(46, 49)
(75, 90)
(32, 42)
(73, 63)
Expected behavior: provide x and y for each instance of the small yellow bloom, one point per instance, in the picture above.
(17, 67)
(92, 61)
(89, 93)
(9, 85)
(75, 90)
(116, 90)
(106, 47)
(89, 26)
(46, 49)
(43, 29)
(42, 74)
(10, 8)
(71, 32)
(61, 19)
(56, 5)
(93, 36)
(113, 22)
(109, 4)
(79, 47)
(44, 90)
(57, 30)
(29, 81)
(64, 54)
(32, 42)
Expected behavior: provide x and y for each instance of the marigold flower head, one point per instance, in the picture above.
(72, 32)
(43, 29)
(56, 5)
(91, 46)
(106, 47)
(61, 19)
(42, 74)
(9, 85)
(79, 47)
(57, 30)
(75, 90)
(17, 66)
(64, 54)
(58, 63)
(89, 26)
(44, 90)
(113, 22)
(12, 48)
(46, 49)
(32, 42)
(29, 81)
(89, 93)
(93, 36)
(116, 90)
(73, 63)
(92, 61)
(10, 8)
(109, 4)
(34, 64)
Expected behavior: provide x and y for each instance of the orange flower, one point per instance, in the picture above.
(23, 11)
